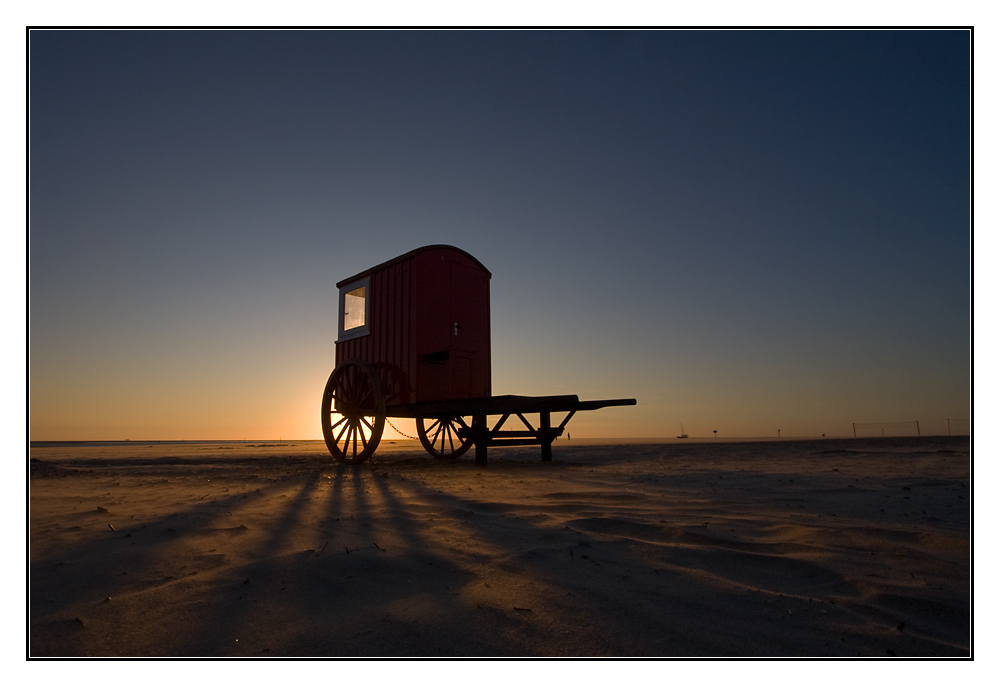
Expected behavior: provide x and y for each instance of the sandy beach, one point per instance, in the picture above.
(832, 548)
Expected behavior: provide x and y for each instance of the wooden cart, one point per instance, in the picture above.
(414, 342)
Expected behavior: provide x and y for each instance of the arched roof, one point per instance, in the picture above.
(407, 256)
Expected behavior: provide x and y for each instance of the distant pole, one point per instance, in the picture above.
(918, 426)
(855, 430)
(949, 426)
(779, 433)
(716, 433)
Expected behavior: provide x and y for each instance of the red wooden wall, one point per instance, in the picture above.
(416, 300)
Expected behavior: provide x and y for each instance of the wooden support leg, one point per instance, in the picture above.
(481, 438)
(546, 438)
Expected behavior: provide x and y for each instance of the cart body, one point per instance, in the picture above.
(422, 320)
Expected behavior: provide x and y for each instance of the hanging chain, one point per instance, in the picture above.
(397, 429)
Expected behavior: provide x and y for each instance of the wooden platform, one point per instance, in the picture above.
(480, 408)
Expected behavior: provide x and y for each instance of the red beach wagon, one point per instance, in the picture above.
(414, 341)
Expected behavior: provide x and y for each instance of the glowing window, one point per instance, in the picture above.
(354, 309)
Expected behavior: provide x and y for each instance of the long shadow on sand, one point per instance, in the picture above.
(353, 562)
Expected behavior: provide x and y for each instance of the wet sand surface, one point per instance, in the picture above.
(793, 548)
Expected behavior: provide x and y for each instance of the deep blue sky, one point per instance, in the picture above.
(745, 231)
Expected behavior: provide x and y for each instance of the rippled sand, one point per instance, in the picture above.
(792, 548)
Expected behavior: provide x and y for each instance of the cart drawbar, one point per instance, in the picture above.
(414, 341)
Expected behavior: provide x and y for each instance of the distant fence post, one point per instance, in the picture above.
(901, 428)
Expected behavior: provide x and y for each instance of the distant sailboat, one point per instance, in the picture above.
(682, 435)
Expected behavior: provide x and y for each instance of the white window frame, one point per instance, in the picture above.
(363, 330)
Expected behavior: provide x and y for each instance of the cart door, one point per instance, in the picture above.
(452, 330)
(470, 341)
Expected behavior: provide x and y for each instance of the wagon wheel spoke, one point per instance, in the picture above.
(367, 424)
(346, 427)
(339, 399)
(347, 437)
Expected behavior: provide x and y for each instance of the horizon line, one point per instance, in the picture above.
(630, 439)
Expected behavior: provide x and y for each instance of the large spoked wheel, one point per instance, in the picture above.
(440, 437)
(353, 412)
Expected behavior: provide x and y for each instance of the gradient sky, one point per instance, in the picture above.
(745, 231)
